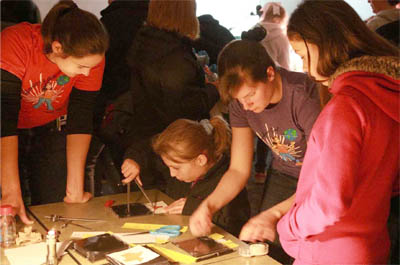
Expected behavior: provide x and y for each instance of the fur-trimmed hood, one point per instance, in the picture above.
(387, 65)
(376, 77)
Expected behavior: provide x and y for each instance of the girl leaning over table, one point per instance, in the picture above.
(47, 72)
(197, 156)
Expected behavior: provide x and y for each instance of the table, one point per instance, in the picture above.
(95, 209)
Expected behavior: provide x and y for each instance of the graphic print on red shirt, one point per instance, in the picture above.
(45, 89)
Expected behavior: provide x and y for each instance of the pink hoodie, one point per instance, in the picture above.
(350, 170)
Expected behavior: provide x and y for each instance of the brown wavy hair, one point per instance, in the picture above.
(79, 32)
(239, 62)
(338, 31)
(174, 15)
(184, 140)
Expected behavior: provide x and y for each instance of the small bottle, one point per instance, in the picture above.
(7, 226)
(51, 241)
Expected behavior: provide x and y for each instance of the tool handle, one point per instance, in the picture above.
(170, 230)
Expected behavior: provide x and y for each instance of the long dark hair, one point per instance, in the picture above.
(338, 31)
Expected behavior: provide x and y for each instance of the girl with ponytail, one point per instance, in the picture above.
(197, 153)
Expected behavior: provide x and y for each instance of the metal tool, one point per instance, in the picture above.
(145, 195)
(71, 223)
(127, 197)
(56, 218)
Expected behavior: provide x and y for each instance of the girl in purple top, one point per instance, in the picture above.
(279, 107)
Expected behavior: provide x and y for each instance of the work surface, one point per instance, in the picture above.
(96, 209)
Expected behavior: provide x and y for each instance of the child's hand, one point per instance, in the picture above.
(176, 207)
(130, 169)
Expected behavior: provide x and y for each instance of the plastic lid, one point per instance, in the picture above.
(5, 209)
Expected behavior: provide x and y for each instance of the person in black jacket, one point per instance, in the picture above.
(122, 19)
(213, 37)
(167, 82)
(197, 155)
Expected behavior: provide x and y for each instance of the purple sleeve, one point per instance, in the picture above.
(308, 107)
(237, 115)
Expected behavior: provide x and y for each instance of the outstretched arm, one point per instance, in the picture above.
(263, 226)
(77, 148)
(232, 182)
(10, 185)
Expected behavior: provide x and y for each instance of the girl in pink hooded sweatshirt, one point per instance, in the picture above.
(351, 167)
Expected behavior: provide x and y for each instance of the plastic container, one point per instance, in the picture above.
(253, 249)
(7, 226)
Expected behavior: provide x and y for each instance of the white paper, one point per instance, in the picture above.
(133, 256)
(160, 207)
(34, 254)
(81, 234)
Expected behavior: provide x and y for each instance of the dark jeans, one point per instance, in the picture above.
(394, 233)
(277, 188)
(42, 163)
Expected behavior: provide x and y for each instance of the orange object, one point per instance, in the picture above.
(109, 203)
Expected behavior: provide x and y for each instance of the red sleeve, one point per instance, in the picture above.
(16, 47)
(93, 81)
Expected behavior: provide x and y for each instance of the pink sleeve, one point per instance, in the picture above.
(329, 171)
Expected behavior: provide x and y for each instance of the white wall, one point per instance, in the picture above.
(94, 6)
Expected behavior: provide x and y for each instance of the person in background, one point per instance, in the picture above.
(197, 153)
(348, 177)
(122, 20)
(386, 22)
(17, 11)
(167, 82)
(213, 37)
(48, 71)
(385, 12)
(273, 20)
(278, 106)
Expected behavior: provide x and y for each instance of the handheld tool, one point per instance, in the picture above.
(56, 218)
(71, 223)
(145, 195)
(127, 197)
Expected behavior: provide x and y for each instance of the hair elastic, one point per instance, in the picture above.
(207, 126)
